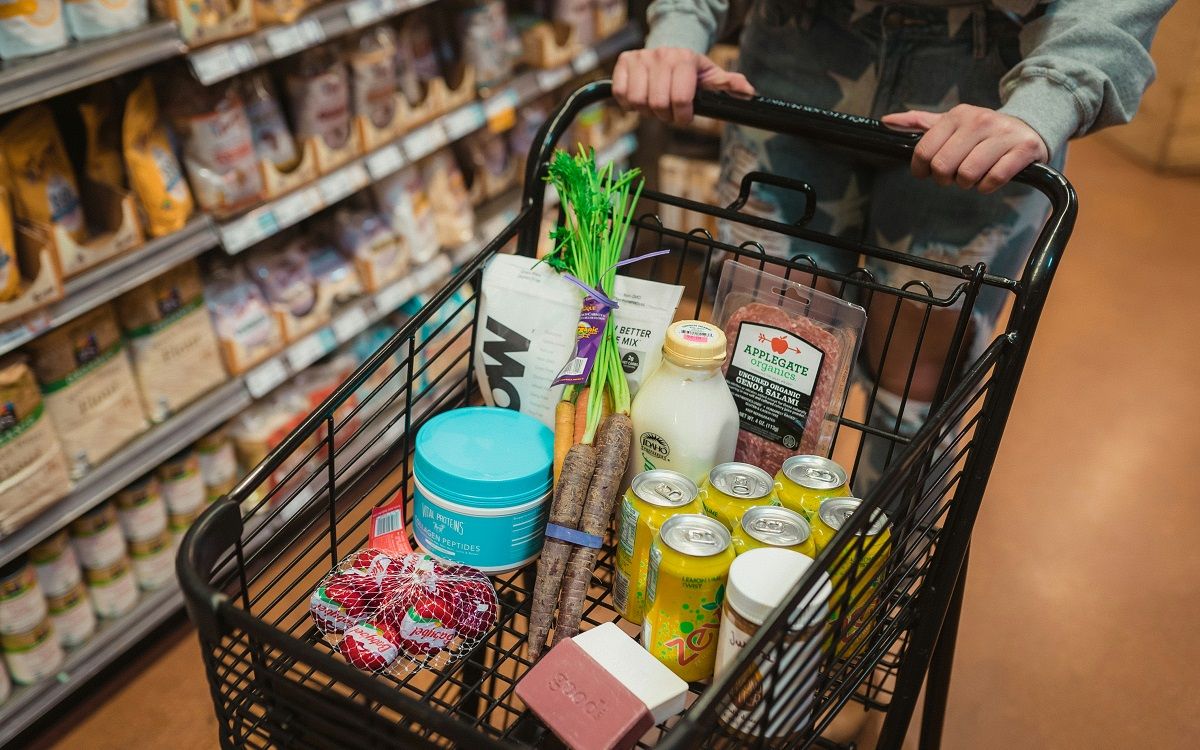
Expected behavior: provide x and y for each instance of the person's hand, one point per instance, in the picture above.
(663, 81)
(974, 147)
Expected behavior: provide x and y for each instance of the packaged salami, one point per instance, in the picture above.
(318, 92)
(273, 139)
(791, 349)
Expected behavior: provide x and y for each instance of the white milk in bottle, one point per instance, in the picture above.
(684, 417)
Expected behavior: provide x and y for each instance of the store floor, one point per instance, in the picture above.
(1079, 623)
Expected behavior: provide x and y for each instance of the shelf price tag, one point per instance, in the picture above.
(310, 348)
(343, 182)
(549, 80)
(385, 161)
(263, 379)
(585, 61)
(213, 64)
(390, 298)
(241, 233)
(284, 41)
(464, 120)
(297, 206)
(424, 140)
(350, 323)
(363, 13)
(311, 32)
(243, 55)
(390, 7)
(501, 110)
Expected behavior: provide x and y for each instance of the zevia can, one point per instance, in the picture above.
(97, 538)
(114, 590)
(182, 486)
(770, 526)
(804, 481)
(759, 582)
(856, 571)
(34, 655)
(685, 584)
(732, 488)
(153, 561)
(22, 605)
(72, 615)
(141, 509)
(653, 497)
(57, 566)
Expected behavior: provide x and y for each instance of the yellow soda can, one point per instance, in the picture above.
(732, 488)
(652, 498)
(685, 586)
(804, 481)
(855, 573)
(770, 526)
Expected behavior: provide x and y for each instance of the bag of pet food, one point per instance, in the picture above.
(218, 146)
(42, 180)
(89, 388)
(154, 173)
(171, 340)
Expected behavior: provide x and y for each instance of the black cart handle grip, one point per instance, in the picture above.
(860, 134)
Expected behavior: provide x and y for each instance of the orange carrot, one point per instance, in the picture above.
(581, 410)
(564, 434)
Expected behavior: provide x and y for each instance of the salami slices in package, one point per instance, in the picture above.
(790, 352)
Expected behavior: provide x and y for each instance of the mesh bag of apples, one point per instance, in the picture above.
(399, 613)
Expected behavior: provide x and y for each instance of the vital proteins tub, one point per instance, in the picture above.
(482, 487)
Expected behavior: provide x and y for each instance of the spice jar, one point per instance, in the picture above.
(775, 704)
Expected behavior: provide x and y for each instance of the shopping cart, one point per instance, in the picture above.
(249, 563)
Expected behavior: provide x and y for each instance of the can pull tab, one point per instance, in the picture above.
(667, 492)
(820, 475)
(769, 525)
(702, 536)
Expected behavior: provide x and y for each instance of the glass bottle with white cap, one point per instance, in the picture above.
(684, 417)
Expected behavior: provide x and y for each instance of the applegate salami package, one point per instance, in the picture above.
(790, 352)
(527, 329)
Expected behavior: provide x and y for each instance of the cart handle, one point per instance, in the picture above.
(862, 134)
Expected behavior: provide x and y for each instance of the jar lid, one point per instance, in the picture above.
(484, 456)
(760, 579)
(694, 343)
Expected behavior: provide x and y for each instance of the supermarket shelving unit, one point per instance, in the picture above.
(80, 65)
(27, 81)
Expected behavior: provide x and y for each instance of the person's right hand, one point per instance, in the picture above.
(663, 81)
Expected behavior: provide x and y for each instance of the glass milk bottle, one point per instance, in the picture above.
(684, 417)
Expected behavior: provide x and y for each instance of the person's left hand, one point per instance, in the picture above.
(974, 147)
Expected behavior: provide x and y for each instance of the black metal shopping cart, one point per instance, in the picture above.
(249, 563)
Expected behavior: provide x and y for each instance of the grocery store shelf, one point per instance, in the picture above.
(112, 639)
(221, 61)
(141, 455)
(109, 280)
(38, 78)
(271, 218)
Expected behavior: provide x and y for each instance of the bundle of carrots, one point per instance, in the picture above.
(593, 432)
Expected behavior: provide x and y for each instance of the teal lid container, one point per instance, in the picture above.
(482, 487)
(485, 457)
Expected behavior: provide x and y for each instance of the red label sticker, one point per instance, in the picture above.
(387, 530)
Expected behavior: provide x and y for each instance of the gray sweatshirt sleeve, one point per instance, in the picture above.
(691, 24)
(1085, 65)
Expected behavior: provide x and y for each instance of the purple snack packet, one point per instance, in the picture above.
(592, 319)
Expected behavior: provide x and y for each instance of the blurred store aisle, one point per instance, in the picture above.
(1077, 629)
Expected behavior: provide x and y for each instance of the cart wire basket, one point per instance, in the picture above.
(249, 564)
